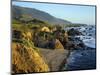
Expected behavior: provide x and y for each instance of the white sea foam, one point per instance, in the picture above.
(88, 36)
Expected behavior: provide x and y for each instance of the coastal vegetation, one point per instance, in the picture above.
(40, 42)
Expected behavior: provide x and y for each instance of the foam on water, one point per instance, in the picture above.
(88, 36)
(83, 59)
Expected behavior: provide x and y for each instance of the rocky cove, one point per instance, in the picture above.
(45, 39)
(84, 57)
(72, 48)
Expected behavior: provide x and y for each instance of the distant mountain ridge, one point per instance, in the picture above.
(30, 13)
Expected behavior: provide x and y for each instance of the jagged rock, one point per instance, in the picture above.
(73, 32)
(40, 42)
(50, 44)
(70, 45)
(58, 45)
(27, 59)
(65, 39)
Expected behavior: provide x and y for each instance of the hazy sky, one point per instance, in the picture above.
(73, 13)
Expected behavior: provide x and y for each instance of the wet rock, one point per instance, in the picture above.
(74, 32)
(75, 43)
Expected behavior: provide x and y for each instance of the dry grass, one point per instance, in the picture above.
(26, 59)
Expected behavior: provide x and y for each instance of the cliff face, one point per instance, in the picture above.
(27, 53)
(27, 59)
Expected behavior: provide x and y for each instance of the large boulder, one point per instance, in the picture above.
(58, 45)
(70, 45)
(51, 44)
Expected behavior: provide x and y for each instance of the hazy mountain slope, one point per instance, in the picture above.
(34, 13)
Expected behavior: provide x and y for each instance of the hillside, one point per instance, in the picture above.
(34, 50)
(30, 13)
(26, 59)
(42, 43)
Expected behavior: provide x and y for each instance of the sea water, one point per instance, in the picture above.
(83, 59)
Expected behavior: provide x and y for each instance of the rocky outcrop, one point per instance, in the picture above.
(74, 32)
(27, 35)
(18, 34)
(58, 45)
(26, 59)
(74, 44)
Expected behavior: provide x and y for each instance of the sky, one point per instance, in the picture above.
(73, 13)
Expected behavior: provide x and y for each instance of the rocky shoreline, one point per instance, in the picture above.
(53, 47)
